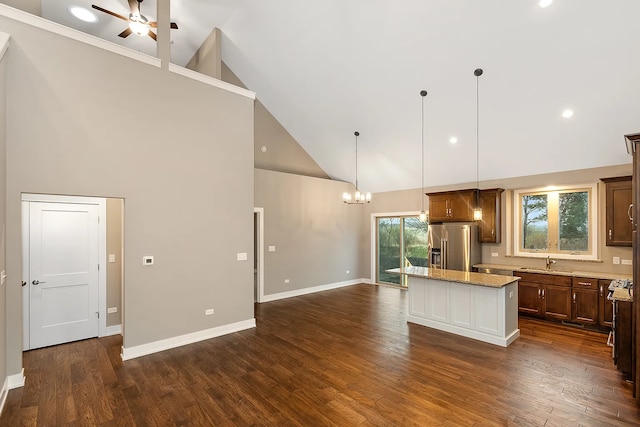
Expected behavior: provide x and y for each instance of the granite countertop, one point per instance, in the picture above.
(466, 277)
(574, 273)
(622, 294)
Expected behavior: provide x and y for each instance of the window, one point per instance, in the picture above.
(559, 222)
(402, 241)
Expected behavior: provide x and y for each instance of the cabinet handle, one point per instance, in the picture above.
(584, 283)
(574, 297)
(539, 292)
(601, 291)
(629, 212)
(493, 232)
(610, 235)
(543, 293)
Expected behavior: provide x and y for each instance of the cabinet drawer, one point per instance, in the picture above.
(547, 279)
(584, 283)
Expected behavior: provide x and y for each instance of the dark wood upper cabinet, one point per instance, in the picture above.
(490, 203)
(619, 206)
(450, 206)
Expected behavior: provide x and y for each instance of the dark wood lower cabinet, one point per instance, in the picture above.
(622, 336)
(605, 306)
(584, 306)
(529, 298)
(556, 302)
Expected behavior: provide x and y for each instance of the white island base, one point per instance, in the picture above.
(465, 304)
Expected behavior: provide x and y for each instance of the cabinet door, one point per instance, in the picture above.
(584, 305)
(605, 306)
(556, 302)
(489, 227)
(438, 208)
(618, 203)
(529, 298)
(462, 205)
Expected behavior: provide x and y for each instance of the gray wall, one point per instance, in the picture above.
(114, 269)
(409, 200)
(316, 236)
(283, 153)
(3, 228)
(180, 154)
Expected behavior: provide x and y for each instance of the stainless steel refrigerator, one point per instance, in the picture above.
(454, 246)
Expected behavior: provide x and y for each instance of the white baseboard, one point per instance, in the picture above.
(113, 330)
(305, 291)
(16, 380)
(166, 344)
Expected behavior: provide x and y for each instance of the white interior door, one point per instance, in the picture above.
(63, 273)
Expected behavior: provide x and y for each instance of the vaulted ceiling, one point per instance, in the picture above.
(327, 68)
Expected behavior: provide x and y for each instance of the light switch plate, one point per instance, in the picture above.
(112, 310)
(272, 248)
(494, 253)
(627, 262)
(112, 257)
(242, 256)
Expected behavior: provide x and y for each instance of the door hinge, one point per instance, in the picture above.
(98, 313)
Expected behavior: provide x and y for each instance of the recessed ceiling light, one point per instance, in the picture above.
(545, 3)
(567, 113)
(82, 14)
(453, 140)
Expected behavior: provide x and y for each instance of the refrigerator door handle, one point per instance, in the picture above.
(444, 245)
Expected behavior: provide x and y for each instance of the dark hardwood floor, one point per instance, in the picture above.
(344, 357)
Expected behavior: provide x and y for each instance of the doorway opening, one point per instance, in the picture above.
(72, 252)
(258, 254)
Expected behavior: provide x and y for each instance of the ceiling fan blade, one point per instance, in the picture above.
(126, 33)
(153, 35)
(135, 7)
(108, 12)
(154, 24)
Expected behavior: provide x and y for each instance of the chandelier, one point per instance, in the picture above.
(358, 197)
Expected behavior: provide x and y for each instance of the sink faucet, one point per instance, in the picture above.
(549, 261)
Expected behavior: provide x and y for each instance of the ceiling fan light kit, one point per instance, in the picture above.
(138, 23)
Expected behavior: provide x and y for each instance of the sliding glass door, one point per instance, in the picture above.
(401, 241)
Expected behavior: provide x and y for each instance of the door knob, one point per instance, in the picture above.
(37, 282)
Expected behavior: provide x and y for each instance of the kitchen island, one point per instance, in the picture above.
(475, 305)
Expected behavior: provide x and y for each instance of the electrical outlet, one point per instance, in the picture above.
(112, 310)
(348, 271)
(208, 312)
(510, 294)
(286, 280)
(112, 257)
(494, 254)
(626, 262)
(147, 260)
(616, 260)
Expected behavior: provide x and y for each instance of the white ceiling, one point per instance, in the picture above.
(327, 68)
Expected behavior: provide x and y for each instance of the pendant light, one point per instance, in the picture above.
(477, 211)
(358, 197)
(423, 213)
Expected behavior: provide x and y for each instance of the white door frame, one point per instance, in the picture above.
(259, 239)
(102, 255)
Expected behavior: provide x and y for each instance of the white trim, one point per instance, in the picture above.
(16, 380)
(169, 343)
(314, 289)
(3, 394)
(260, 261)
(41, 23)
(211, 81)
(112, 330)
(4, 45)
(102, 256)
(469, 333)
(374, 241)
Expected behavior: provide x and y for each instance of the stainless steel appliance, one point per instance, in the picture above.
(454, 246)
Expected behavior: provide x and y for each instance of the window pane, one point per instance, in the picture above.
(573, 219)
(389, 250)
(415, 242)
(535, 224)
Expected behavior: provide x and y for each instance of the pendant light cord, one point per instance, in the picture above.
(478, 72)
(356, 133)
(423, 93)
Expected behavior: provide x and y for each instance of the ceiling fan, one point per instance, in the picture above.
(138, 23)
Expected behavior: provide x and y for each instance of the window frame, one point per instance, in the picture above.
(516, 228)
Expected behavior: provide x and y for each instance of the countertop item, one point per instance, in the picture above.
(558, 272)
(466, 277)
